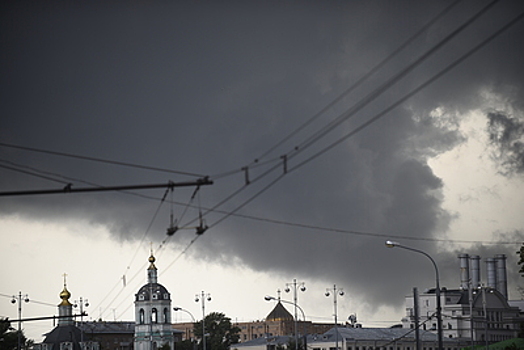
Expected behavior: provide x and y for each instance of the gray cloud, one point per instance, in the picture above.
(506, 135)
(207, 88)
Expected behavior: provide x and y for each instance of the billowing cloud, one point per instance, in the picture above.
(207, 89)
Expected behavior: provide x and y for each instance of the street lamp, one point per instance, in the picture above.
(19, 300)
(296, 286)
(203, 299)
(269, 298)
(177, 308)
(483, 289)
(341, 293)
(391, 244)
(83, 303)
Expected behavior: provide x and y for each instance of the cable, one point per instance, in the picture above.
(372, 96)
(32, 174)
(364, 77)
(413, 92)
(100, 160)
(388, 84)
(381, 114)
(31, 300)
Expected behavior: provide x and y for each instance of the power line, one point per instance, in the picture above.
(100, 160)
(365, 101)
(414, 91)
(388, 84)
(364, 77)
(394, 105)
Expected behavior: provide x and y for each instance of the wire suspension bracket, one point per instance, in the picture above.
(69, 188)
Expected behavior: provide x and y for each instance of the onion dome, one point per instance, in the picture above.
(65, 295)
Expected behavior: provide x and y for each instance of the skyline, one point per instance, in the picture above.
(326, 128)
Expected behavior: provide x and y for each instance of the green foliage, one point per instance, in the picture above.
(185, 345)
(291, 344)
(9, 337)
(165, 346)
(220, 333)
(521, 259)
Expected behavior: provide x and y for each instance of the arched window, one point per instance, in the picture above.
(154, 316)
(141, 316)
(166, 315)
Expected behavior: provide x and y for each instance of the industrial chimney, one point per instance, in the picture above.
(491, 271)
(501, 277)
(475, 271)
(464, 271)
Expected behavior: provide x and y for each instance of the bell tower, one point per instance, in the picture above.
(153, 313)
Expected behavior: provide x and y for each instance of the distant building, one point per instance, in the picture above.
(475, 311)
(356, 338)
(110, 335)
(279, 322)
(66, 336)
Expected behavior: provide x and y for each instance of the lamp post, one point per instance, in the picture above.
(82, 303)
(203, 299)
(391, 244)
(296, 286)
(341, 293)
(19, 300)
(483, 289)
(177, 308)
(269, 298)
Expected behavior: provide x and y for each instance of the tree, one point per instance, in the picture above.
(521, 260)
(220, 333)
(9, 336)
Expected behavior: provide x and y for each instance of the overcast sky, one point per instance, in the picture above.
(208, 89)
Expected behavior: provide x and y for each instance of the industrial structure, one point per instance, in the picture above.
(476, 311)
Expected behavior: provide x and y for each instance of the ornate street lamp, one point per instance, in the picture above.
(82, 303)
(296, 286)
(203, 298)
(335, 292)
(19, 300)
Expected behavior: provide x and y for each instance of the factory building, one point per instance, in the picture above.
(476, 311)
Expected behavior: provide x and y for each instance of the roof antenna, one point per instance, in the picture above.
(172, 222)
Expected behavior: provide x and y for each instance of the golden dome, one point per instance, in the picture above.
(65, 295)
(152, 262)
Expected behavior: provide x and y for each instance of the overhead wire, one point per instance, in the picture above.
(362, 79)
(345, 93)
(372, 95)
(100, 160)
(413, 92)
(396, 104)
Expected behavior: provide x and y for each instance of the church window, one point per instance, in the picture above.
(155, 296)
(154, 316)
(166, 316)
(141, 316)
(141, 297)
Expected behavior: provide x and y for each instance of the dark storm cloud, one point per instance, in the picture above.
(507, 135)
(207, 88)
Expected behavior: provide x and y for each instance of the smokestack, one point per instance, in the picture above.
(492, 273)
(475, 271)
(464, 271)
(501, 277)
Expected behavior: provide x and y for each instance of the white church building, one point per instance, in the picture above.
(153, 328)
